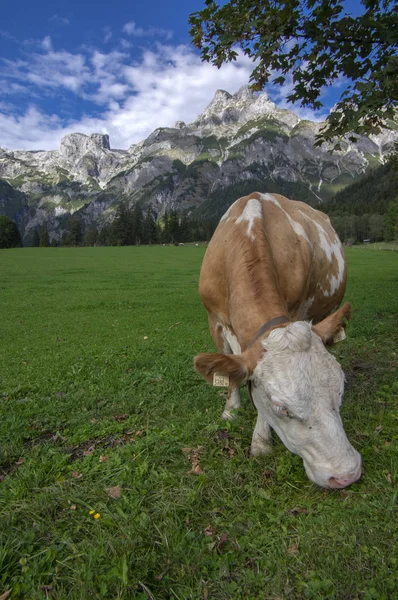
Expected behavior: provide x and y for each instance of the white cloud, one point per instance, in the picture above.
(5, 106)
(108, 35)
(49, 69)
(125, 44)
(59, 20)
(8, 36)
(132, 29)
(46, 43)
(10, 88)
(38, 131)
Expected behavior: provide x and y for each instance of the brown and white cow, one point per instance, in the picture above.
(272, 267)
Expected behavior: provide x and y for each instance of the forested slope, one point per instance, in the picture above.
(368, 208)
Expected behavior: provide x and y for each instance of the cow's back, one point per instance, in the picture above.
(267, 246)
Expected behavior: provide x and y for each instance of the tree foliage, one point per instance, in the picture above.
(35, 238)
(9, 233)
(317, 44)
(91, 236)
(391, 223)
(134, 226)
(75, 232)
(44, 237)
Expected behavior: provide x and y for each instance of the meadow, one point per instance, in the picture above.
(118, 477)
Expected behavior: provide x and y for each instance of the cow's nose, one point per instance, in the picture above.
(342, 482)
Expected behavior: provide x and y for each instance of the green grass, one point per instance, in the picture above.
(97, 391)
(379, 246)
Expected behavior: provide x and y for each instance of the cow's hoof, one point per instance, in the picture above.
(228, 415)
(260, 449)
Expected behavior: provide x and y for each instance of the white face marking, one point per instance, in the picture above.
(231, 340)
(297, 388)
(332, 249)
(251, 212)
(297, 227)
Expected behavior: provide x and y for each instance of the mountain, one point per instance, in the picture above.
(239, 144)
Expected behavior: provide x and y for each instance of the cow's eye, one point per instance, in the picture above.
(281, 410)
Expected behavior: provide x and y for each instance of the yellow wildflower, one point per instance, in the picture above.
(97, 516)
(91, 512)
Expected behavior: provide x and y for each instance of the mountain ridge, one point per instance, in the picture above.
(240, 142)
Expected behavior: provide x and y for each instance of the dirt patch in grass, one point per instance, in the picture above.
(107, 441)
(43, 438)
(8, 467)
(357, 368)
(228, 443)
(76, 452)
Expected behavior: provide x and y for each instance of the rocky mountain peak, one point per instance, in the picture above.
(220, 100)
(226, 110)
(244, 93)
(213, 112)
(78, 144)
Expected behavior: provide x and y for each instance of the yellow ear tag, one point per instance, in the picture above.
(220, 380)
(340, 336)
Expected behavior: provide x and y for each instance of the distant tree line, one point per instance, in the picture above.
(131, 226)
(365, 210)
(375, 227)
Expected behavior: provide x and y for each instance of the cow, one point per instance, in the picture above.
(272, 279)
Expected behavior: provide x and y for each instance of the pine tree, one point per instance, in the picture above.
(376, 228)
(44, 237)
(391, 222)
(174, 227)
(75, 233)
(91, 236)
(166, 235)
(185, 232)
(9, 233)
(105, 236)
(138, 224)
(149, 234)
(36, 239)
(122, 234)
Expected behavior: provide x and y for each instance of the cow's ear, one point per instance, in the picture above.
(332, 325)
(232, 366)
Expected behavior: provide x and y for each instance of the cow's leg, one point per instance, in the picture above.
(233, 399)
(261, 440)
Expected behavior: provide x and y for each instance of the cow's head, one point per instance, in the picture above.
(297, 386)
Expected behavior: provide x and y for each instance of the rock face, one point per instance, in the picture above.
(240, 143)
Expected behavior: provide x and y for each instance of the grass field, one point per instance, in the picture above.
(391, 246)
(103, 418)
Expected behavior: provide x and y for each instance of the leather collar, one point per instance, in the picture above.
(266, 326)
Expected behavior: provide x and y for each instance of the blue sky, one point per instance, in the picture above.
(122, 68)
